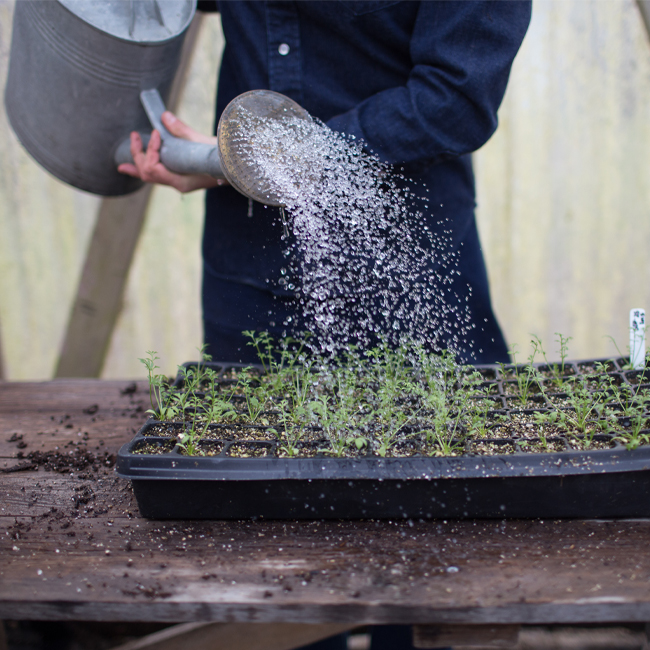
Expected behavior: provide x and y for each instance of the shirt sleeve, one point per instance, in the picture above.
(461, 56)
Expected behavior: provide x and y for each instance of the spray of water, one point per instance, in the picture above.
(366, 264)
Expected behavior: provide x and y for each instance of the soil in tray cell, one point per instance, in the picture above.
(590, 443)
(637, 377)
(164, 429)
(299, 434)
(597, 367)
(265, 419)
(239, 432)
(526, 425)
(515, 388)
(154, 447)
(405, 448)
(205, 448)
(301, 449)
(492, 447)
(602, 382)
(542, 445)
(559, 400)
(490, 404)
(499, 431)
(489, 388)
(488, 374)
(211, 447)
(520, 404)
(249, 449)
(556, 371)
(626, 423)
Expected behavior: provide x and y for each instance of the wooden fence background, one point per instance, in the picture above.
(563, 206)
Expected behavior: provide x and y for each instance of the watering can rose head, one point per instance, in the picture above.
(255, 136)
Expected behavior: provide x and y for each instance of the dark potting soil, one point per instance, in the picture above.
(510, 415)
(73, 461)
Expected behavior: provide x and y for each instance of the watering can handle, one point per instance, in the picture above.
(178, 155)
(154, 107)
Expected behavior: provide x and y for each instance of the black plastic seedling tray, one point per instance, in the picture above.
(608, 482)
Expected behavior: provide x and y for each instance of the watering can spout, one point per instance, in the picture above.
(231, 158)
(178, 155)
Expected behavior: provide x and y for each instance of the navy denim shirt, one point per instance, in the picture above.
(419, 82)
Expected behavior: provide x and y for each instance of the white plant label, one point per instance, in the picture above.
(637, 338)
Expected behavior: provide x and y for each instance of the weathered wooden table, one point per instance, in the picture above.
(73, 546)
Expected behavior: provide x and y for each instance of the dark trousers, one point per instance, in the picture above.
(245, 307)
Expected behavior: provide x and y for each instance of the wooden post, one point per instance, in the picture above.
(236, 636)
(99, 296)
(119, 223)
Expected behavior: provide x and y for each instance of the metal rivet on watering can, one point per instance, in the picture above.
(284, 49)
(76, 70)
(637, 338)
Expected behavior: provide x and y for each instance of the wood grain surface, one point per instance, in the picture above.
(73, 546)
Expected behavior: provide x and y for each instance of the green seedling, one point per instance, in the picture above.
(527, 377)
(160, 397)
(375, 400)
(557, 370)
(637, 433)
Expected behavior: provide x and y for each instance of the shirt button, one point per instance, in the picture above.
(284, 49)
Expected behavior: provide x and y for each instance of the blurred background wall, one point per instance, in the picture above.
(563, 206)
(564, 185)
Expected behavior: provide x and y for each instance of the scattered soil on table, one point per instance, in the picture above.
(55, 461)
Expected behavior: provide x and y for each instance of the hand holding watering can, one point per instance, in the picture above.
(75, 93)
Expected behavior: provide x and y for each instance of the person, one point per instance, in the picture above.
(418, 82)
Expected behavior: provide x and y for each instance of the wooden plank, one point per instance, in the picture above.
(68, 414)
(119, 223)
(485, 636)
(61, 395)
(109, 564)
(236, 636)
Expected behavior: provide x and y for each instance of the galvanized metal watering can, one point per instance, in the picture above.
(83, 74)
